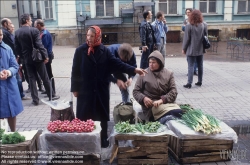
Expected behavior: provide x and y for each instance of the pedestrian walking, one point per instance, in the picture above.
(25, 38)
(192, 46)
(47, 43)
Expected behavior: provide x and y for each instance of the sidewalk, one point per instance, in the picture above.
(225, 92)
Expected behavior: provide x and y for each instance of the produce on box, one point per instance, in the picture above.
(76, 125)
(13, 138)
(125, 127)
(198, 121)
(1, 133)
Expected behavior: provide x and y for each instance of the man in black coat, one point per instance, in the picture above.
(25, 38)
(147, 38)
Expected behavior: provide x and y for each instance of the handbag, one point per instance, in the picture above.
(205, 41)
(36, 54)
(62, 114)
(124, 112)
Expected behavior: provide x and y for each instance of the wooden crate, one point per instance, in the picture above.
(199, 150)
(21, 153)
(146, 150)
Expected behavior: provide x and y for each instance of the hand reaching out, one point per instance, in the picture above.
(121, 84)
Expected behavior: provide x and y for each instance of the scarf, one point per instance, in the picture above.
(97, 41)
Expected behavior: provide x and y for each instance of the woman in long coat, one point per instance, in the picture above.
(192, 46)
(10, 100)
(90, 79)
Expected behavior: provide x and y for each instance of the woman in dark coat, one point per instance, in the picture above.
(92, 67)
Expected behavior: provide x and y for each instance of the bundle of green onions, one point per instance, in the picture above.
(198, 121)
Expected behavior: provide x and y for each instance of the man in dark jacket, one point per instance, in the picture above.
(125, 53)
(147, 39)
(26, 38)
(47, 43)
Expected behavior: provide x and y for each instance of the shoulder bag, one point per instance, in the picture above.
(205, 41)
(36, 54)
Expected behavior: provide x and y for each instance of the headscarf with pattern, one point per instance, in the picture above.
(97, 41)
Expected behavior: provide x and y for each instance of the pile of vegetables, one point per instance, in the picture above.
(76, 125)
(152, 127)
(1, 133)
(198, 121)
(125, 127)
(12, 138)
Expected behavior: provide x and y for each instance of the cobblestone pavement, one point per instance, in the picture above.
(225, 92)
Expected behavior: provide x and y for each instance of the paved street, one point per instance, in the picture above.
(225, 90)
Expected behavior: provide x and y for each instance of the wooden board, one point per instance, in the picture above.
(21, 152)
(146, 150)
(198, 150)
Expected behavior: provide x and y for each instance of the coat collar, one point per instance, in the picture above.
(3, 45)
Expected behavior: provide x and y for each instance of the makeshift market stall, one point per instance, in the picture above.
(140, 146)
(20, 153)
(196, 147)
(82, 147)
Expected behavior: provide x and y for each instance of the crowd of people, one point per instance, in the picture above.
(95, 66)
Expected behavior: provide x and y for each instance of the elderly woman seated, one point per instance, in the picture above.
(156, 91)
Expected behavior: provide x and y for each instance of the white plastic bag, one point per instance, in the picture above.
(4, 125)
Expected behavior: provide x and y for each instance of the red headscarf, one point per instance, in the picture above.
(97, 41)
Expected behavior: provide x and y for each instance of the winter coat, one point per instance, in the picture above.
(155, 85)
(146, 34)
(10, 99)
(192, 40)
(23, 43)
(90, 77)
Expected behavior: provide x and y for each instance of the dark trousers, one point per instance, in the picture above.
(50, 74)
(20, 85)
(38, 79)
(144, 56)
(32, 70)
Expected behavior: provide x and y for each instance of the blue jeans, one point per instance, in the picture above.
(144, 57)
(20, 85)
(195, 65)
(125, 95)
(191, 63)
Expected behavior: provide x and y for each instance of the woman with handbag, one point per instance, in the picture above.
(92, 67)
(193, 46)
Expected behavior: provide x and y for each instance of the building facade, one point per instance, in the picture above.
(119, 19)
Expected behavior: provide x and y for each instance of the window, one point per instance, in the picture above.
(48, 9)
(208, 6)
(243, 6)
(104, 8)
(168, 6)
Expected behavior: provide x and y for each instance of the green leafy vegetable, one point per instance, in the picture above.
(152, 127)
(124, 127)
(1, 133)
(13, 138)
